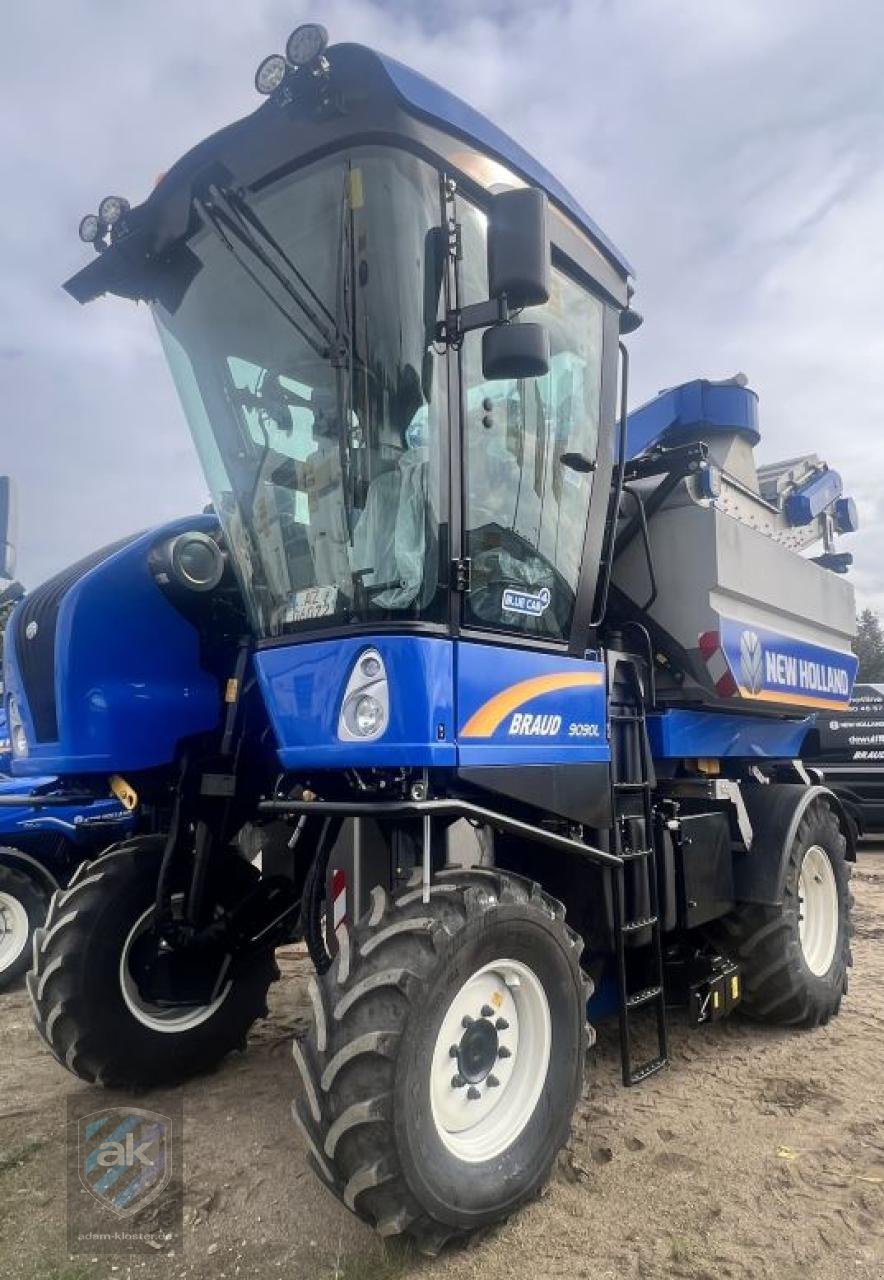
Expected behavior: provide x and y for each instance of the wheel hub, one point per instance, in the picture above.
(490, 1060)
(158, 1016)
(477, 1051)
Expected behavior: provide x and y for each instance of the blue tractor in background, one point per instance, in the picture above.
(492, 693)
(45, 835)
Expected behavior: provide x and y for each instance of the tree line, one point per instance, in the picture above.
(869, 647)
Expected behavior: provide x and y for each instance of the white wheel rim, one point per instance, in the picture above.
(817, 910)
(15, 929)
(158, 1017)
(477, 1120)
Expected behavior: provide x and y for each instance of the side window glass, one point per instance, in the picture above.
(530, 450)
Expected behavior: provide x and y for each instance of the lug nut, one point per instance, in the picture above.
(453, 1051)
(473, 1093)
(487, 1011)
(502, 1025)
(492, 1082)
(457, 1082)
(504, 1052)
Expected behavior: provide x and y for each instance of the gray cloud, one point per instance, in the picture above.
(736, 153)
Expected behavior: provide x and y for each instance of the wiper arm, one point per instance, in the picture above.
(229, 227)
(237, 206)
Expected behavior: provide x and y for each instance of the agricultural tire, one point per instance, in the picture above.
(446, 1058)
(86, 1004)
(794, 957)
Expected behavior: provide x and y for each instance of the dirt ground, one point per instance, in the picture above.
(759, 1153)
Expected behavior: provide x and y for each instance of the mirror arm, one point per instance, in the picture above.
(479, 315)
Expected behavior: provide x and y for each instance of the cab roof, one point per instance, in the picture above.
(431, 100)
(374, 95)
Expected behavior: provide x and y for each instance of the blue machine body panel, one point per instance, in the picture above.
(450, 703)
(846, 516)
(461, 703)
(303, 687)
(682, 734)
(515, 707)
(5, 744)
(128, 680)
(821, 491)
(677, 414)
(428, 99)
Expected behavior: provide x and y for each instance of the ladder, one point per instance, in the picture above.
(634, 843)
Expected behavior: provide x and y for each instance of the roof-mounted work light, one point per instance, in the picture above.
(90, 228)
(304, 48)
(306, 44)
(111, 209)
(271, 73)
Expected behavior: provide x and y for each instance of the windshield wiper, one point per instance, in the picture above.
(237, 227)
(243, 233)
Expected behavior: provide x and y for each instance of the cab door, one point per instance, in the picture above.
(530, 455)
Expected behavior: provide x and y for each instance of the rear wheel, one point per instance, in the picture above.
(87, 1003)
(23, 904)
(447, 1055)
(795, 957)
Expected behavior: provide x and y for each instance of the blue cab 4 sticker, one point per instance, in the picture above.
(531, 603)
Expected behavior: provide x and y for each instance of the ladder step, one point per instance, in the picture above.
(648, 1069)
(632, 786)
(634, 926)
(639, 998)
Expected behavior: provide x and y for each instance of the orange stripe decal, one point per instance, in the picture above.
(482, 723)
(795, 699)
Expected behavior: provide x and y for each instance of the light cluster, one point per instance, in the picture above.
(304, 48)
(95, 227)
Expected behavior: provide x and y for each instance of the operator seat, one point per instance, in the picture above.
(394, 541)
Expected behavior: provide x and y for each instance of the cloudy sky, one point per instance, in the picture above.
(735, 151)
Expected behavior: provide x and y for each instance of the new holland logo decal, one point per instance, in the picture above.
(751, 662)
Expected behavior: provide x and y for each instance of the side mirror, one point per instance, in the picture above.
(515, 351)
(519, 275)
(8, 512)
(519, 247)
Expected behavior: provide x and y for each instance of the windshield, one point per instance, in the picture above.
(302, 352)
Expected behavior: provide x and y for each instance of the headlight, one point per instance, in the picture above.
(365, 710)
(368, 715)
(17, 734)
(197, 561)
